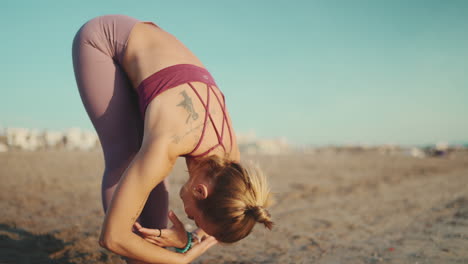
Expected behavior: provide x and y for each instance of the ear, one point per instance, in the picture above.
(200, 191)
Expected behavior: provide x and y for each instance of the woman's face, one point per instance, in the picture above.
(191, 209)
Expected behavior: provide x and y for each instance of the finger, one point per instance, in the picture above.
(175, 220)
(165, 233)
(135, 228)
(206, 236)
(152, 241)
(150, 232)
(158, 239)
(206, 244)
(199, 249)
(210, 241)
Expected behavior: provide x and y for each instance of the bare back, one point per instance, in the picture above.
(178, 112)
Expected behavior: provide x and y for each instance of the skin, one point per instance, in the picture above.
(173, 126)
(198, 187)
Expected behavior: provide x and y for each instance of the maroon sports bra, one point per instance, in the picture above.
(176, 75)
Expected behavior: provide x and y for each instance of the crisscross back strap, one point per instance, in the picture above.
(219, 135)
(176, 75)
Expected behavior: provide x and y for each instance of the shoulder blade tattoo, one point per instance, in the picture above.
(187, 104)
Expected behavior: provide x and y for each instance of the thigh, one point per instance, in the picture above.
(110, 103)
(106, 93)
(112, 106)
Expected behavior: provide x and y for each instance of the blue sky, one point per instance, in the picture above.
(315, 72)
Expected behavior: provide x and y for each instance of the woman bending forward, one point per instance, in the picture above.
(151, 100)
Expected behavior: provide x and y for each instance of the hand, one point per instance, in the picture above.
(199, 249)
(176, 236)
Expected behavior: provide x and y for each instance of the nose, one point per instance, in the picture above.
(188, 215)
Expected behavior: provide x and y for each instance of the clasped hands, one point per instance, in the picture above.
(176, 236)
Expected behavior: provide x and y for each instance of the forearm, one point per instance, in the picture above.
(200, 233)
(149, 168)
(135, 247)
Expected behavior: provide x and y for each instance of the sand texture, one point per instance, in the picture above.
(331, 207)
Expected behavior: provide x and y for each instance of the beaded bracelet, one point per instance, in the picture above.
(188, 246)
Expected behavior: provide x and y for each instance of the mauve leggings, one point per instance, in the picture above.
(112, 105)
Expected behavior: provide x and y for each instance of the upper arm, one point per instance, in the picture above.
(149, 167)
(163, 119)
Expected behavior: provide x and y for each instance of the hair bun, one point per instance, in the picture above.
(260, 214)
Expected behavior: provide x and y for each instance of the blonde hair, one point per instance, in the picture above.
(238, 201)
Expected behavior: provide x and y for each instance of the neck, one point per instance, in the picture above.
(191, 165)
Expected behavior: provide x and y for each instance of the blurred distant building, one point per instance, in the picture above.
(33, 139)
(249, 144)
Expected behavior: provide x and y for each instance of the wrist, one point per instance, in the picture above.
(187, 246)
(200, 233)
(196, 239)
(184, 259)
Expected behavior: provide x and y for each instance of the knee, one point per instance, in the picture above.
(115, 165)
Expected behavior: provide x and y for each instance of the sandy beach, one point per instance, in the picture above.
(331, 206)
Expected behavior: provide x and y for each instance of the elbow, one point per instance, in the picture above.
(104, 243)
(108, 242)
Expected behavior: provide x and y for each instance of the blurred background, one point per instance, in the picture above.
(355, 110)
(313, 72)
